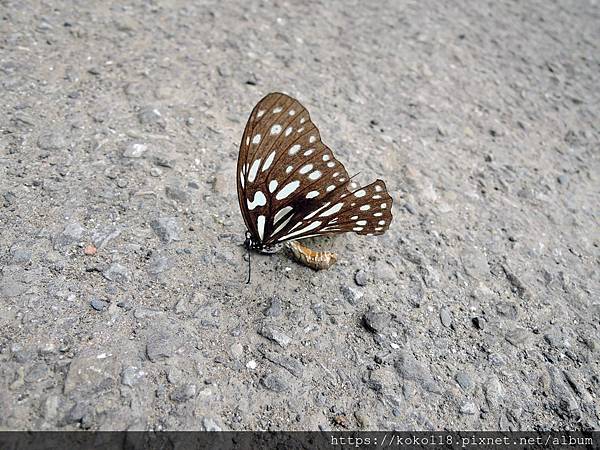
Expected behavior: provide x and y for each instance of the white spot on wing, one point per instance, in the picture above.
(361, 222)
(357, 229)
(260, 225)
(330, 188)
(256, 138)
(260, 113)
(353, 217)
(259, 200)
(282, 212)
(312, 139)
(288, 169)
(376, 197)
(247, 140)
(283, 224)
(383, 206)
(268, 161)
(378, 214)
(326, 157)
(287, 190)
(381, 222)
(277, 110)
(309, 152)
(294, 149)
(273, 185)
(360, 193)
(312, 194)
(291, 112)
(378, 188)
(288, 131)
(335, 208)
(317, 211)
(365, 207)
(309, 227)
(315, 175)
(305, 169)
(253, 171)
(276, 129)
(242, 180)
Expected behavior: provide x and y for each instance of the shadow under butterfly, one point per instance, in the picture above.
(291, 187)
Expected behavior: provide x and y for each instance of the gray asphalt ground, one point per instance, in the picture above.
(119, 130)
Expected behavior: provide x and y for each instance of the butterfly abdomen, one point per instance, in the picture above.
(310, 258)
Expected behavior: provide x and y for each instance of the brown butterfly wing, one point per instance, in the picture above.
(290, 185)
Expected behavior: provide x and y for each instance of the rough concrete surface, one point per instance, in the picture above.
(123, 303)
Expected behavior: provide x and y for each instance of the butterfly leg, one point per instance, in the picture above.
(310, 258)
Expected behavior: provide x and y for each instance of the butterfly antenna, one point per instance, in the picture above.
(249, 267)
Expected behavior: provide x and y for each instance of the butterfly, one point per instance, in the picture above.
(290, 185)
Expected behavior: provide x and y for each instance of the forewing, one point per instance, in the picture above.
(284, 169)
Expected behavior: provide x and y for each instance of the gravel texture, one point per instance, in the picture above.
(123, 303)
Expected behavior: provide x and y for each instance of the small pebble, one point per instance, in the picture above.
(251, 364)
(478, 322)
(90, 250)
(274, 383)
(410, 208)
(131, 376)
(360, 277)
(237, 350)
(274, 308)
(150, 115)
(468, 409)
(376, 320)
(352, 295)
(166, 228)
(184, 393)
(98, 305)
(445, 317)
(116, 272)
(464, 380)
(51, 141)
(361, 419)
(176, 193)
(135, 150)
(275, 335)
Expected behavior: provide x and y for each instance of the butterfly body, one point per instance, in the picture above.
(258, 246)
(290, 185)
